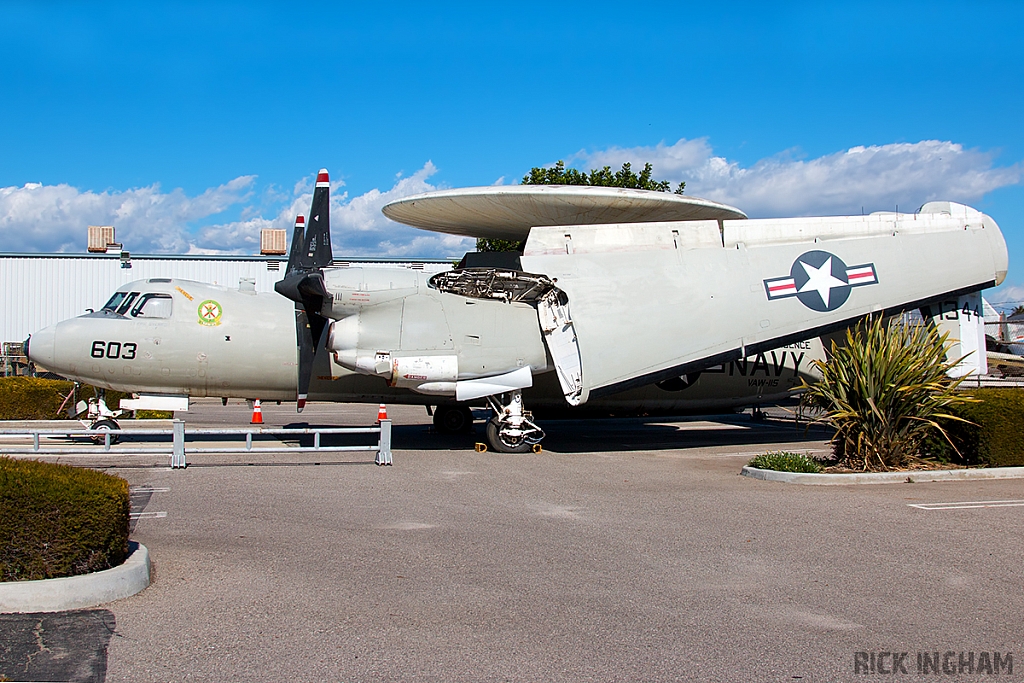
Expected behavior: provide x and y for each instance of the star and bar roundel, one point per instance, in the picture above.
(820, 280)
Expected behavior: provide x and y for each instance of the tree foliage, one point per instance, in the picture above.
(597, 177)
(885, 390)
(600, 177)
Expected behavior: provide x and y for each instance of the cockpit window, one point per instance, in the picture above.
(115, 301)
(126, 304)
(153, 306)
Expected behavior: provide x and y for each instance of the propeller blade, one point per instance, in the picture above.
(307, 352)
(318, 235)
(304, 284)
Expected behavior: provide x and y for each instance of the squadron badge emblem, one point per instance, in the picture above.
(210, 313)
(820, 280)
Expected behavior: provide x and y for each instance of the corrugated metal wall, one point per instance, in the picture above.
(38, 290)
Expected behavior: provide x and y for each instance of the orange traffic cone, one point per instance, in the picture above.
(382, 413)
(257, 413)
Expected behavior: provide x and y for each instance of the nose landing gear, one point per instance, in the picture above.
(99, 417)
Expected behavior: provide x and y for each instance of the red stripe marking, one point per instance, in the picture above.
(779, 288)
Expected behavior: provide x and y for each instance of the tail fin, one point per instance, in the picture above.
(318, 233)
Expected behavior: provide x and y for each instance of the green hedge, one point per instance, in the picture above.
(58, 520)
(31, 398)
(996, 439)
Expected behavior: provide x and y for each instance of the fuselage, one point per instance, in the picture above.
(179, 337)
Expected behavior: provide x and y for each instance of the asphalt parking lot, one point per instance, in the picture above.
(629, 550)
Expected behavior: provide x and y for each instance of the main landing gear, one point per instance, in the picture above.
(453, 419)
(511, 429)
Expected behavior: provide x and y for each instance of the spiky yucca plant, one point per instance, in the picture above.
(884, 391)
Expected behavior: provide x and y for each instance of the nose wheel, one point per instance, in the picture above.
(105, 425)
(511, 429)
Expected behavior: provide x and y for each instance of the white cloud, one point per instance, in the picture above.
(1006, 297)
(358, 228)
(876, 177)
(42, 218)
(54, 217)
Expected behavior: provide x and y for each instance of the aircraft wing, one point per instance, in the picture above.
(647, 302)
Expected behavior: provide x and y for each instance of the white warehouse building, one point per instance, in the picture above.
(39, 290)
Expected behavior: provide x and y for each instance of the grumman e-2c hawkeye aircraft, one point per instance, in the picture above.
(605, 309)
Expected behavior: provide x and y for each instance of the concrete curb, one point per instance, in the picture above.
(76, 592)
(912, 476)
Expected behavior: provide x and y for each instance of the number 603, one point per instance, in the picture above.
(105, 349)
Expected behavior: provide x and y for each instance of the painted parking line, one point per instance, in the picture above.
(149, 489)
(147, 515)
(968, 505)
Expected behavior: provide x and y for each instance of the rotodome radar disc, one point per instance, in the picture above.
(498, 212)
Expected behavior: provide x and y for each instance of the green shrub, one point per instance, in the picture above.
(58, 520)
(154, 414)
(885, 391)
(785, 461)
(995, 437)
(31, 398)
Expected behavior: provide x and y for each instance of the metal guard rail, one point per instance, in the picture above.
(179, 435)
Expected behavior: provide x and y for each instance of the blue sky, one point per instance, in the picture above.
(190, 126)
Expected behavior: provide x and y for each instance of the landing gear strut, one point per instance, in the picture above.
(511, 429)
(99, 417)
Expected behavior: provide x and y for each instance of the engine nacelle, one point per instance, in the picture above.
(353, 289)
(432, 343)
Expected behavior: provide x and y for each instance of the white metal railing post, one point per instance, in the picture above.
(384, 450)
(178, 448)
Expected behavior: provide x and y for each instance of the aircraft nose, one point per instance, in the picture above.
(40, 347)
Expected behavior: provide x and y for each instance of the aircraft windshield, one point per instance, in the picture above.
(150, 305)
(153, 306)
(126, 304)
(115, 301)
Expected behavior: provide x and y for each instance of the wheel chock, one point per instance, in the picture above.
(537, 448)
(480, 447)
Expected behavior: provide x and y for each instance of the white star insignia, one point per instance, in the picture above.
(821, 280)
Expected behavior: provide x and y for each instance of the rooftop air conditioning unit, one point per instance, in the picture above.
(273, 241)
(99, 237)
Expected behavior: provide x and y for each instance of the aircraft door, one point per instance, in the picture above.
(560, 337)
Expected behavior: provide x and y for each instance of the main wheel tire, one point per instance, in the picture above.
(453, 419)
(494, 439)
(105, 425)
